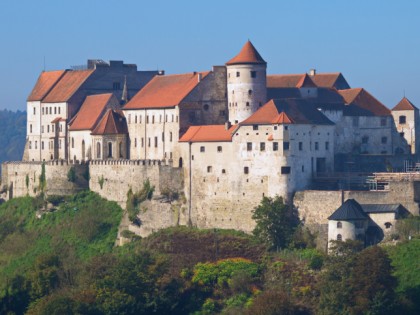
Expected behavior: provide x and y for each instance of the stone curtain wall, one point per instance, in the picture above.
(22, 178)
(113, 179)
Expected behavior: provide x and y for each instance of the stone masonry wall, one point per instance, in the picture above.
(22, 178)
(314, 206)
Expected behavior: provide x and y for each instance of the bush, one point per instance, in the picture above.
(71, 175)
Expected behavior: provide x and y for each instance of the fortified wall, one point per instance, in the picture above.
(24, 178)
(315, 206)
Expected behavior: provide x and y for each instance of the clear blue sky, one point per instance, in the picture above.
(374, 43)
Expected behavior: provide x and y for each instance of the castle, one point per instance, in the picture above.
(223, 138)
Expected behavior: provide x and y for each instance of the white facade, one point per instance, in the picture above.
(246, 90)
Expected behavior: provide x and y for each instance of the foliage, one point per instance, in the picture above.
(222, 271)
(135, 199)
(358, 283)
(12, 135)
(56, 199)
(101, 181)
(408, 227)
(71, 175)
(60, 242)
(275, 224)
(42, 178)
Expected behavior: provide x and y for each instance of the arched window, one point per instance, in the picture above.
(388, 225)
(98, 150)
(339, 237)
(110, 149)
(339, 225)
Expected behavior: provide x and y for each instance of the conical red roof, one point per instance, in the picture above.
(405, 104)
(247, 55)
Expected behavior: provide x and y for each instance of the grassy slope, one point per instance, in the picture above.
(83, 227)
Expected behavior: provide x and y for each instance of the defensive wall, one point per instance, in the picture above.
(21, 178)
(315, 206)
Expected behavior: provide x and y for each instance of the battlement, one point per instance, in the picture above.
(167, 162)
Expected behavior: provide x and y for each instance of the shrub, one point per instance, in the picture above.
(71, 175)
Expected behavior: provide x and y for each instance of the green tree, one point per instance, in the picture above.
(275, 223)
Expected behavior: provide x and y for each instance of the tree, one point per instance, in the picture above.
(275, 224)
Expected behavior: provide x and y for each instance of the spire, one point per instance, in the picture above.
(124, 96)
(247, 55)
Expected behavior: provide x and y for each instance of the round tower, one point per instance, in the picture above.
(246, 83)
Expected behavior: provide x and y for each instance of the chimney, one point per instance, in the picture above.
(227, 125)
(199, 77)
(312, 72)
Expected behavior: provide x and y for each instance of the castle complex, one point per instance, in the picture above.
(223, 138)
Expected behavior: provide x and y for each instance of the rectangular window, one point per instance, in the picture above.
(285, 146)
(34, 110)
(384, 140)
(135, 142)
(48, 128)
(285, 169)
(59, 110)
(135, 119)
(316, 146)
(55, 110)
(365, 139)
(61, 128)
(209, 169)
(402, 119)
(30, 128)
(30, 144)
(253, 74)
(156, 142)
(148, 142)
(355, 121)
(142, 142)
(238, 74)
(219, 148)
(43, 111)
(42, 145)
(383, 122)
(42, 129)
(52, 128)
(275, 146)
(202, 149)
(129, 118)
(36, 144)
(147, 119)
(249, 146)
(170, 136)
(262, 146)
(163, 137)
(246, 170)
(300, 146)
(255, 127)
(327, 145)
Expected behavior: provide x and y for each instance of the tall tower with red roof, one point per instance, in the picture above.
(246, 83)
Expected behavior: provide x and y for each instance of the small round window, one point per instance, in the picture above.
(206, 106)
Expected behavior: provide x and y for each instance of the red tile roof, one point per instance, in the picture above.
(208, 133)
(57, 119)
(305, 81)
(288, 111)
(247, 55)
(405, 104)
(112, 123)
(90, 112)
(165, 91)
(67, 86)
(364, 100)
(45, 83)
(327, 80)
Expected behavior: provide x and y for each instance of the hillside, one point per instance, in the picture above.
(12, 135)
(65, 263)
